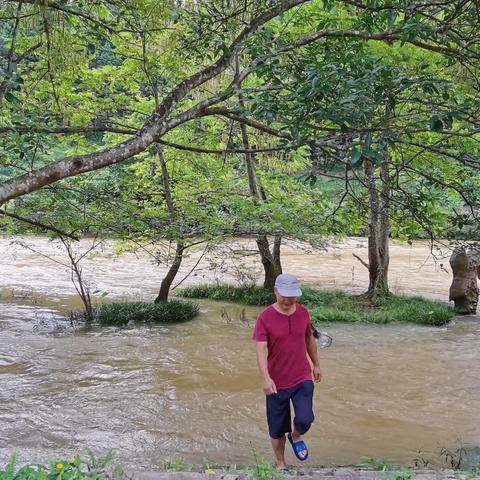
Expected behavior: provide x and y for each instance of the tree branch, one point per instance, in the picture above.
(38, 224)
(65, 130)
(363, 262)
(154, 128)
(223, 152)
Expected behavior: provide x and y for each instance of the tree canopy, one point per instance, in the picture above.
(289, 117)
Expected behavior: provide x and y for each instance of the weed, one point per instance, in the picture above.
(263, 469)
(177, 465)
(376, 463)
(390, 471)
(74, 468)
(230, 469)
(403, 473)
(453, 458)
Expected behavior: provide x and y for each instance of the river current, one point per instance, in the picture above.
(192, 391)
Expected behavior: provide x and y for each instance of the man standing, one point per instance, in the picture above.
(283, 333)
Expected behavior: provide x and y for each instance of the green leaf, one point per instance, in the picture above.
(436, 123)
(392, 16)
(356, 157)
(368, 140)
(447, 121)
(9, 97)
(374, 155)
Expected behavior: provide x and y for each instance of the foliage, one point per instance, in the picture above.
(177, 465)
(121, 313)
(328, 84)
(376, 463)
(390, 471)
(336, 306)
(263, 469)
(250, 295)
(462, 457)
(402, 473)
(74, 468)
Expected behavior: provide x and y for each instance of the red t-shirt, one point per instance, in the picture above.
(286, 339)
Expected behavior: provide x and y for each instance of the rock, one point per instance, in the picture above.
(464, 291)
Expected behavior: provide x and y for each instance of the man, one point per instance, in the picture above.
(283, 333)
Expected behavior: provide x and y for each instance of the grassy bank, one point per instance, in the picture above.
(336, 306)
(262, 469)
(74, 468)
(121, 313)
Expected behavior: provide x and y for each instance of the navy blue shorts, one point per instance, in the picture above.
(278, 410)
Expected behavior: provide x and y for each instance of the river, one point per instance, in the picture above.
(192, 391)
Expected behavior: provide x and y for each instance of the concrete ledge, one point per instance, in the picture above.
(334, 473)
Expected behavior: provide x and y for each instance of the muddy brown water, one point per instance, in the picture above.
(192, 391)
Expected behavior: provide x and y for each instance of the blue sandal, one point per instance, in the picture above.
(298, 447)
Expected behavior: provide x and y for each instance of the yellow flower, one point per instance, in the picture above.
(71, 461)
(59, 466)
(209, 471)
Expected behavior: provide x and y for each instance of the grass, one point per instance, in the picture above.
(252, 295)
(336, 306)
(121, 313)
(74, 468)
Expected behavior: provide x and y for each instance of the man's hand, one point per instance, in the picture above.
(269, 386)
(317, 373)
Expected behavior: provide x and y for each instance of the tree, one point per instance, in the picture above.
(428, 27)
(325, 75)
(380, 106)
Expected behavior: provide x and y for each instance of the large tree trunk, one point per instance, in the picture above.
(180, 248)
(270, 259)
(384, 224)
(276, 254)
(270, 266)
(171, 274)
(378, 231)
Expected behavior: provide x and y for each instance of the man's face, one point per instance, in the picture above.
(285, 303)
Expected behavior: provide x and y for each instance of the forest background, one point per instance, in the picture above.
(182, 124)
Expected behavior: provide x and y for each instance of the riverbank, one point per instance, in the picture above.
(414, 269)
(316, 473)
(192, 390)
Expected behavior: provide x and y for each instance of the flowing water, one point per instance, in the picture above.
(192, 391)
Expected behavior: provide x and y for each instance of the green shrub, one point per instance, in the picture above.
(251, 295)
(120, 313)
(336, 306)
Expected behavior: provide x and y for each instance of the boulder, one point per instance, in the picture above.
(465, 264)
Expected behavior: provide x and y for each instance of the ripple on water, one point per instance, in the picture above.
(193, 391)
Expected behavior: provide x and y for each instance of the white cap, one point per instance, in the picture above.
(288, 285)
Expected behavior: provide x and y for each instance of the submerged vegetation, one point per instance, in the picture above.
(121, 313)
(336, 306)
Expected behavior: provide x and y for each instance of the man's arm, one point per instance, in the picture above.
(269, 386)
(313, 354)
